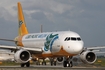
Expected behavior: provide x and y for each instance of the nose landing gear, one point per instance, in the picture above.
(68, 62)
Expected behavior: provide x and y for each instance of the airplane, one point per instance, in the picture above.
(60, 45)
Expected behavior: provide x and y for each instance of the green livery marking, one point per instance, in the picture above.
(49, 41)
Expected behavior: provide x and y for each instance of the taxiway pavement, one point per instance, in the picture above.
(43, 67)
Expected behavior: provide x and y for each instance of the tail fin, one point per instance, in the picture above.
(22, 25)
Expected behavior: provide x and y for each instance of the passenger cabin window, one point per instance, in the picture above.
(72, 39)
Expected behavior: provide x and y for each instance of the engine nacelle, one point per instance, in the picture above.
(22, 56)
(88, 57)
(60, 59)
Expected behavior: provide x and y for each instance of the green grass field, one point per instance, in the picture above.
(100, 62)
(8, 63)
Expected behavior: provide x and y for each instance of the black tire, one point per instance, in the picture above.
(54, 63)
(42, 63)
(68, 64)
(22, 65)
(65, 64)
(71, 64)
(45, 63)
(51, 63)
(28, 64)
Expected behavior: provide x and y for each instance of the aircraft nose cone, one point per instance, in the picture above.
(78, 48)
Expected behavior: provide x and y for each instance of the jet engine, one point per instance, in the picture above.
(88, 57)
(60, 59)
(22, 56)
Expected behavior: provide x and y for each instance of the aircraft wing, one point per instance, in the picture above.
(14, 48)
(95, 48)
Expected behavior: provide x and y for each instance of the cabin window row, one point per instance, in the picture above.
(72, 38)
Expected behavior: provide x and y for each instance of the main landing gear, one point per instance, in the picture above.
(43, 62)
(27, 64)
(68, 62)
(53, 61)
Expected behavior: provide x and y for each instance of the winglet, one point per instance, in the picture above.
(22, 25)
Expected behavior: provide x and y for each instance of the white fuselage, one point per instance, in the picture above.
(54, 42)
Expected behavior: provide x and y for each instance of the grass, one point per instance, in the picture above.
(8, 63)
(100, 62)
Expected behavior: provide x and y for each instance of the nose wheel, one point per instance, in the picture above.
(68, 62)
(71, 64)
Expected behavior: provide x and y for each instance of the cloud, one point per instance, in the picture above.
(85, 17)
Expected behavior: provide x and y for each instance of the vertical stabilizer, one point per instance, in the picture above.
(22, 25)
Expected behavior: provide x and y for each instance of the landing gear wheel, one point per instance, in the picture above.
(43, 63)
(22, 65)
(51, 63)
(28, 64)
(71, 64)
(65, 64)
(37, 63)
(54, 63)
(68, 64)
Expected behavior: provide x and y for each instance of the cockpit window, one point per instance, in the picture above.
(72, 39)
(66, 38)
(78, 38)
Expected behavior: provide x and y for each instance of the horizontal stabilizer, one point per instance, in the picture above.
(7, 40)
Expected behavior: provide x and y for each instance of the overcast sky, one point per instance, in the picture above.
(86, 17)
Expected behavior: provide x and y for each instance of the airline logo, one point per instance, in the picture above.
(20, 23)
(36, 36)
(49, 41)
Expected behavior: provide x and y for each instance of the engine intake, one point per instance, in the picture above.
(60, 59)
(22, 56)
(88, 57)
